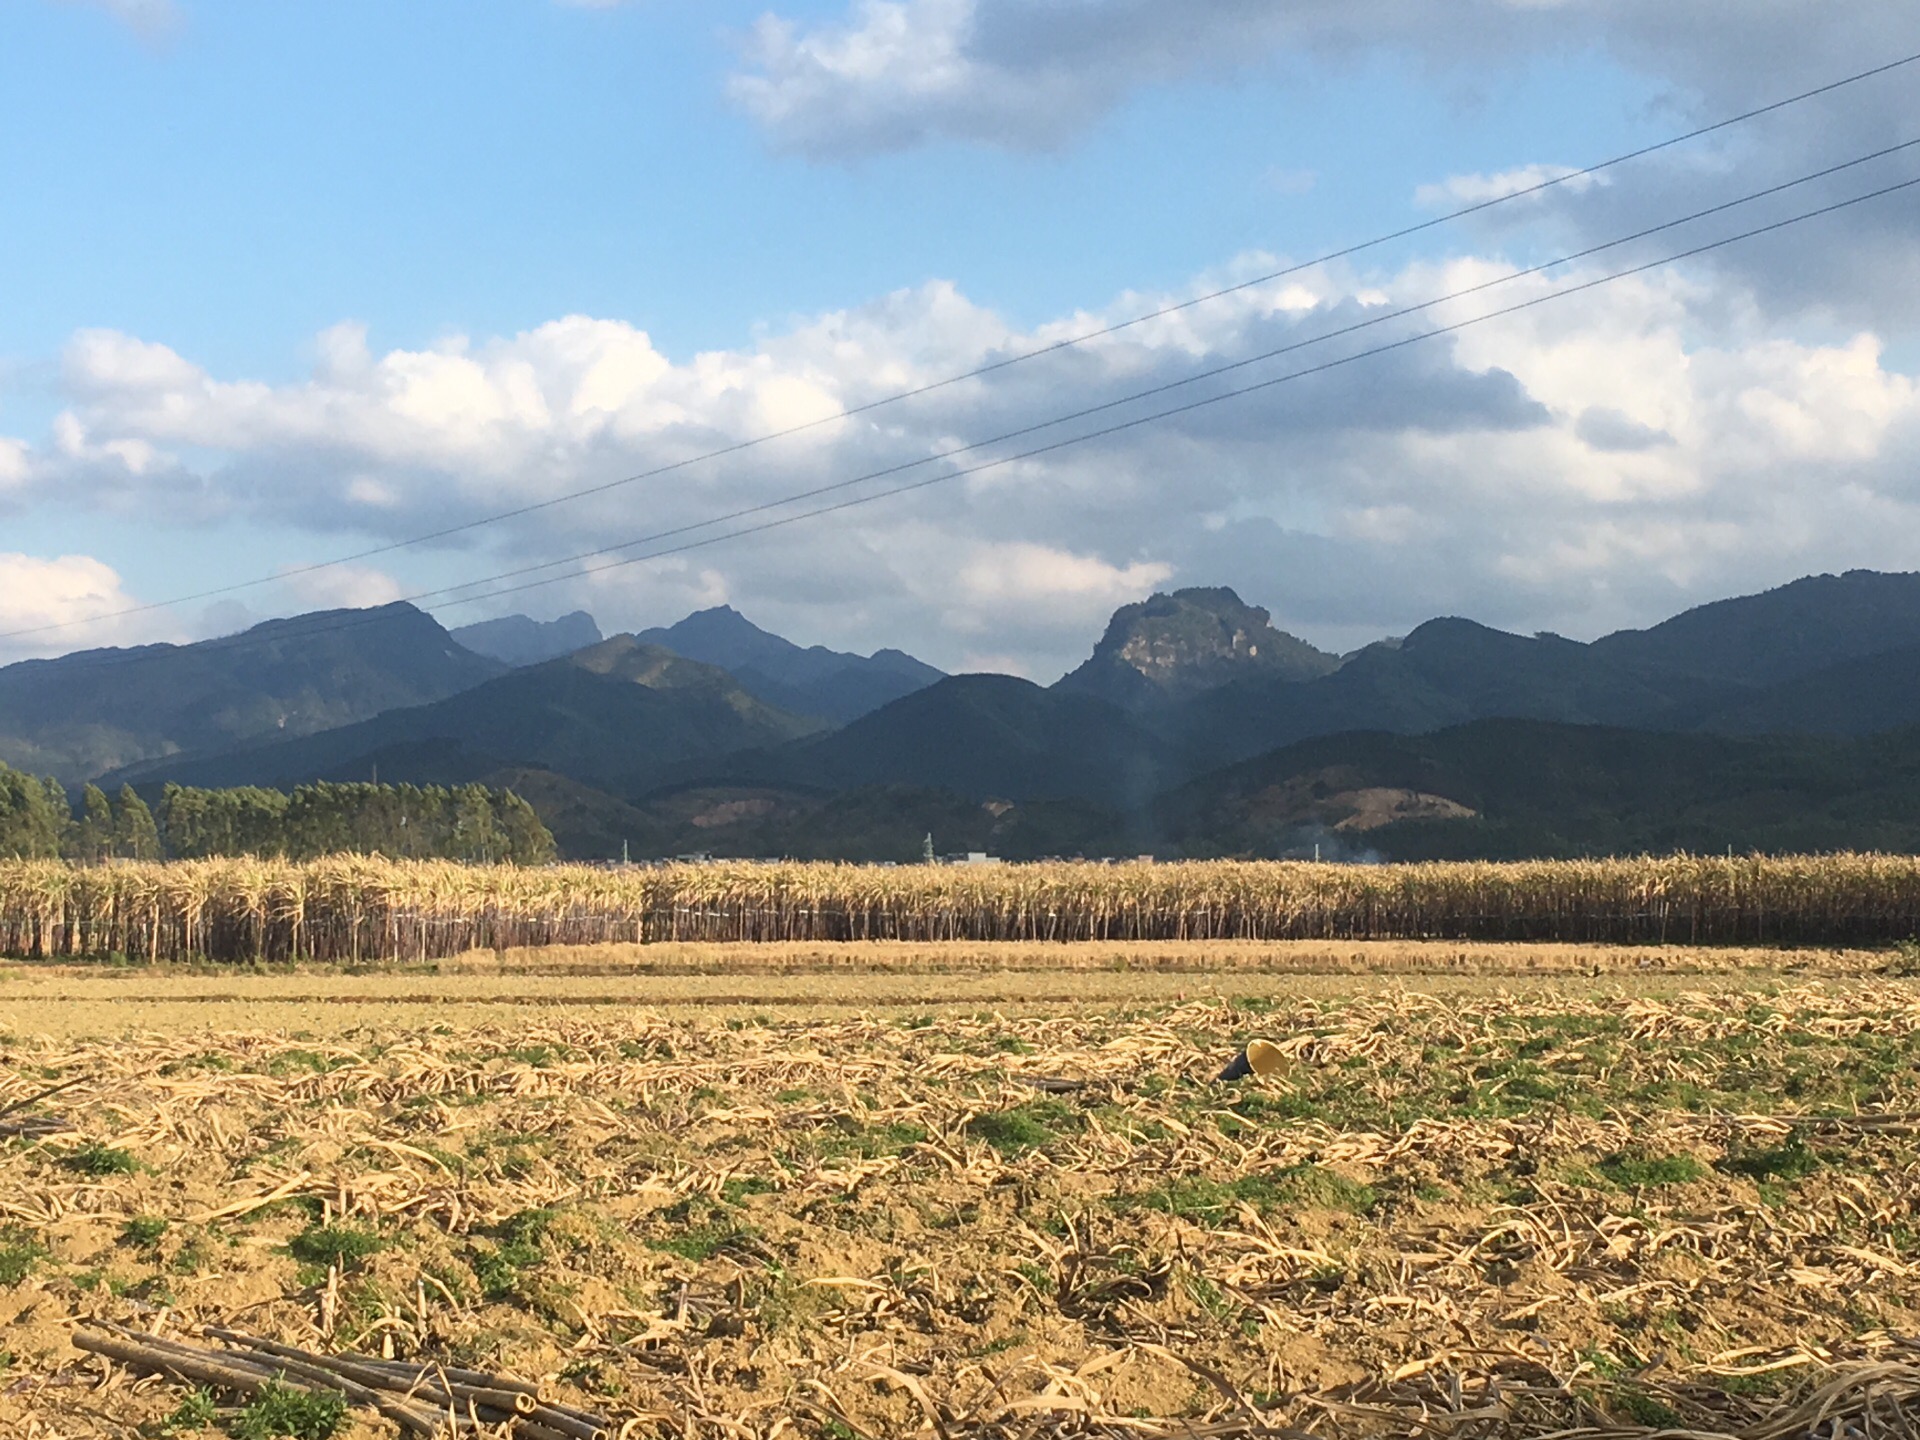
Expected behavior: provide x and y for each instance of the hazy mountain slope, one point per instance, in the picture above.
(813, 681)
(1543, 789)
(871, 823)
(618, 716)
(1796, 658)
(1854, 697)
(984, 737)
(519, 640)
(587, 824)
(1760, 640)
(1171, 646)
(100, 709)
(1447, 672)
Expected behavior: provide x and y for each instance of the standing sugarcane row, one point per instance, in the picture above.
(356, 909)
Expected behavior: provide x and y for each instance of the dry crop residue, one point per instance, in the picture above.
(1483, 1214)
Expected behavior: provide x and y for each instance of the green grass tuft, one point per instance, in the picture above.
(1298, 1187)
(1633, 1172)
(282, 1413)
(19, 1252)
(100, 1160)
(196, 1412)
(1025, 1127)
(1790, 1161)
(143, 1232)
(342, 1245)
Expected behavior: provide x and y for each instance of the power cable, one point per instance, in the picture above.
(1212, 372)
(991, 367)
(365, 618)
(1209, 400)
(1166, 386)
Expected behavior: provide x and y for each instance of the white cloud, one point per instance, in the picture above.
(37, 591)
(1458, 190)
(1590, 463)
(999, 583)
(1033, 73)
(14, 459)
(343, 587)
(892, 74)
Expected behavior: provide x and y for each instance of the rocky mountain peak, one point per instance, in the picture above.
(1177, 644)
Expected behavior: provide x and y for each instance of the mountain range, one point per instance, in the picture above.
(522, 640)
(1785, 719)
(828, 684)
(97, 710)
(620, 716)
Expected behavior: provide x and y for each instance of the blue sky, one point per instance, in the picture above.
(262, 172)
(222, 185)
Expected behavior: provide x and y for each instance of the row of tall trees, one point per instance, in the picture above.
(468, 822)
(37, 822)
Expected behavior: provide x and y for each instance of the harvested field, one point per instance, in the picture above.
(357, 909)
(1480, 1206)
(830, 981)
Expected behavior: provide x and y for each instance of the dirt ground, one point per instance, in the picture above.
(829, 981)
(973, 1195)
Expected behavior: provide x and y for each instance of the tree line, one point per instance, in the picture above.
(408, 822)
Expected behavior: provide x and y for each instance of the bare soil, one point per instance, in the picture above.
(867, 1200)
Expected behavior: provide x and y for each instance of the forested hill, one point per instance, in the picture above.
(620, 716)
(85, 714)
(1514, 789)
(1638, 740)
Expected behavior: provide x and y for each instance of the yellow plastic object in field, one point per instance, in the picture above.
(1261, 1057)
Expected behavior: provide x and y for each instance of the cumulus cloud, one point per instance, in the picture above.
(1594, 462)
(1000, 586)
(14, 455)
(343, 587)
(40, 591)
(898, 73)
(1035, 74)
(888, 75)
(891, 74)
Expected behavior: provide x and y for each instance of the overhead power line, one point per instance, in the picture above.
(1106, 431)
(1209, 400)
(991, 367)
(1212, 372)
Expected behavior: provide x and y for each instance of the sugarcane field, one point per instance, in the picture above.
(1168, 1181)
(959, 720)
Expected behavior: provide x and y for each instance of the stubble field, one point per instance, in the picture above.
(985, 1193)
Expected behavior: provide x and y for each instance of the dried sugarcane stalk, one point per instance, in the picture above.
(359, 908)
(453, 1373)
(33, 1127)
(566, 1423)
(174, 1354)
(398, 1390)
(46, 1094)
(426, 1381)
(502, 1398)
